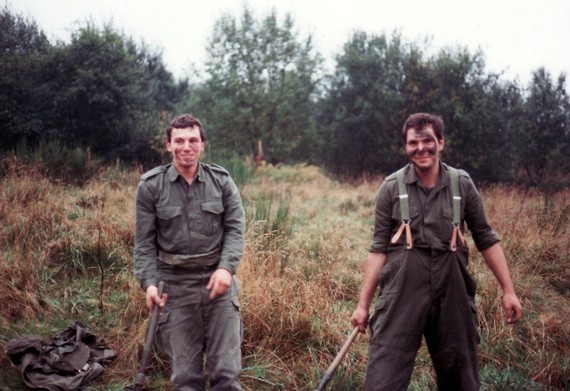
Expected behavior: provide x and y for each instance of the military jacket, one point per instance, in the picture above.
(431, 213)
(204, 220)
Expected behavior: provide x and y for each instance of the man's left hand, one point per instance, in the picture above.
(219, 282)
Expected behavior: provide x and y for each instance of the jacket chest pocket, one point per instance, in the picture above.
(414, 211)
(212, 216)
(170, 220)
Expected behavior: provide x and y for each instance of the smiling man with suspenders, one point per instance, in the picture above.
(419, 259)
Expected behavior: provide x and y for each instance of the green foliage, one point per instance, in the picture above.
(263, 83)
(58, 162)
(364, 106)
(271, 229)
(101, 91)
(240, 170)
(380, 80)
(110, 94)
(275, 224)
(506, 379)
(260, 84)
(24, 51)
(543, 146)
(481, 114)
(292, 175)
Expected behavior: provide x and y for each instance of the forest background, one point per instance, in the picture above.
(81, 120)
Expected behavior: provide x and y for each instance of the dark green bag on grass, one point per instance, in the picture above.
(71, 360)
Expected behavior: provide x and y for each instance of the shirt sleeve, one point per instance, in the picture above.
(145, 252)
(382, 219)
(234, 227)
(483, 234)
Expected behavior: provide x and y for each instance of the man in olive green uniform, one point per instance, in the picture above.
(420, 267)
(190, 234)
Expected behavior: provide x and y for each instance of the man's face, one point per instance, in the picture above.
(186, 146)
(423, 148)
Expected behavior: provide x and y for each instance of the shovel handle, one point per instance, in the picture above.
(338, 359)
(149, 338)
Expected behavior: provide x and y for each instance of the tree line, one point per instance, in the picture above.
(262, 81)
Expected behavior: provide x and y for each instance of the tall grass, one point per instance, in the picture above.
(55, 160)
(239, 169)
(66, 255)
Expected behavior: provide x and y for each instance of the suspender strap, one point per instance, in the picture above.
(404, 203)
(454, 177)
(404, 210)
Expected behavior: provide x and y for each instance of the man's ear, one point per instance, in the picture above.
(441, 144)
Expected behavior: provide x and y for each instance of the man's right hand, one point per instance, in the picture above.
(152, 297)
(359, 318)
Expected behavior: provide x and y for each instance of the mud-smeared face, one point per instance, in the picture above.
(423, 148)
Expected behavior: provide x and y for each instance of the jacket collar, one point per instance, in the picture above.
(443, 180)
(173, 173)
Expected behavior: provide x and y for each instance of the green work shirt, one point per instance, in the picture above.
(431, 212)
(204, 220)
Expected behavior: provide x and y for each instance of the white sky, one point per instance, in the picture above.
(516, 36)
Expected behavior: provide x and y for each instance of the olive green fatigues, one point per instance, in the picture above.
(426, 290)
(183, 234)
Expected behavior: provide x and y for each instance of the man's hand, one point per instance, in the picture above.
(512, 307)
(359, 318)
(219, 282)
(152, 297)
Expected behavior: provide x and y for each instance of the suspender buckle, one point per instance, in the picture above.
(454, 235)
(404, 227)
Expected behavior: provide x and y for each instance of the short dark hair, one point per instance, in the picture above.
(419, 121)
(185, 121)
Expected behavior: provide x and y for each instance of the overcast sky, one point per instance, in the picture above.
(516, 36)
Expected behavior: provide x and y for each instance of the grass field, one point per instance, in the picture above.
(66, 255)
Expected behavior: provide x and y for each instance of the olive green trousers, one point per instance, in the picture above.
(194, 330)
(431, 295)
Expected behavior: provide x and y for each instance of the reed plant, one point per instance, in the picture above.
(66, 255)
(55, 160)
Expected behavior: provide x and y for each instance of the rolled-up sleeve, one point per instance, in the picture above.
(145, 251)
(483, 234)
(382, 219)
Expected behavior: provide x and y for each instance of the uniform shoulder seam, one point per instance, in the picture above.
(154, 172)
(392, 176)
(218, 168)
(460, 171)
(463, 172)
